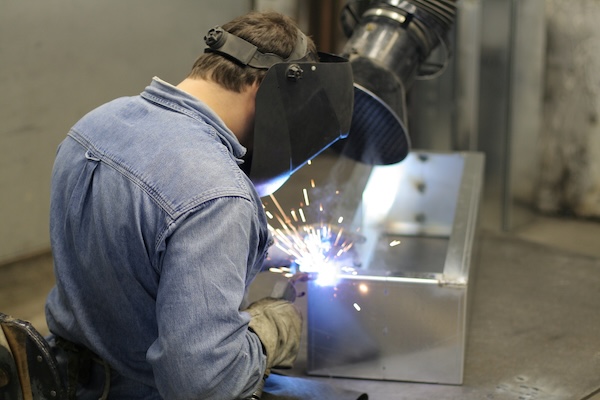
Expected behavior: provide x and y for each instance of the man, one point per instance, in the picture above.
(157, 229)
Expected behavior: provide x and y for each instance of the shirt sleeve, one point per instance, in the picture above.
(204, 348)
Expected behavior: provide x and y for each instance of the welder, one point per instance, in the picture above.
(157, 227)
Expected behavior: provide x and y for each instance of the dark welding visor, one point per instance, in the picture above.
(303, 106)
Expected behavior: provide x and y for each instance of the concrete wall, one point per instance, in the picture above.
(61, 58)
(570, 138)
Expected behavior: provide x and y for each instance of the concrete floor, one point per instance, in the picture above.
(534, 331)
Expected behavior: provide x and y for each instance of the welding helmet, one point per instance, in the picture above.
(303, 105)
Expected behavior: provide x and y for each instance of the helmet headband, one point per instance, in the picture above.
(245, 53)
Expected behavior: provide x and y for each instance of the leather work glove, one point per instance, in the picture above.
(278, 325)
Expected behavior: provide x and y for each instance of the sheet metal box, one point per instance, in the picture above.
(403, 314)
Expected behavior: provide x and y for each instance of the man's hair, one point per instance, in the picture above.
(270, 32)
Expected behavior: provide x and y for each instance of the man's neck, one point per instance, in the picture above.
(235, 109)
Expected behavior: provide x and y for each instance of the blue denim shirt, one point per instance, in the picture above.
(156, 234)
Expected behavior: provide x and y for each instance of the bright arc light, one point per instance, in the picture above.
(326, 277)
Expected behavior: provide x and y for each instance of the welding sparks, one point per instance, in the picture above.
(395, 243)
(281, 270)
(357, 307)
(320, 248)
(302, 217)
(277, 204)
(306, 197)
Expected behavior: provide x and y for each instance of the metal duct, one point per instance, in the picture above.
(388, 46)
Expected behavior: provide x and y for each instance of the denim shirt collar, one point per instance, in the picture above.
(167, 95)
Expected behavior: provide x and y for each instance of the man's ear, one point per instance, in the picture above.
(255, 87)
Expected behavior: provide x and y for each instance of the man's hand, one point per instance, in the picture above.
(278, 325)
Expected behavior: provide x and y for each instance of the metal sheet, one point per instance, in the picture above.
(402, 316)
(387, 330)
